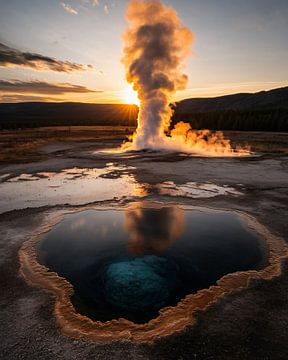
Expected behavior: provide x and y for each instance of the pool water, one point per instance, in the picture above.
(131, 263)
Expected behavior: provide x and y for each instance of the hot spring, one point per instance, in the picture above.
(134, 262)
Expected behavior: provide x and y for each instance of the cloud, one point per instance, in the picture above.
(41, 87)
(69, 8)
(85, 5)
(90, 2)
(10, 57)
(23, 98)
(106, 9)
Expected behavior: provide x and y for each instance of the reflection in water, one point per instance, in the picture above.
(153, 230)
(75, 186)
(130, 264)
(195, 190)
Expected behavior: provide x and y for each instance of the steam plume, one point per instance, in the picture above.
(156, 45)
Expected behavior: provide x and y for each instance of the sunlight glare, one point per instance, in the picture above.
(131, 96)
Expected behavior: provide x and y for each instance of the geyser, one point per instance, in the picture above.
(156, 46)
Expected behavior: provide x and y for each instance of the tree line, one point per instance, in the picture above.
(116, 115)
(237, 120)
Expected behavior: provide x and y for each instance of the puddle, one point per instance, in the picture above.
(76, 186)
(4, 177)
(23, 177)
(195, 190)
(81, 186)
(130, 264)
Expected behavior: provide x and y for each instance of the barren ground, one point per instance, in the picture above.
(52, 170)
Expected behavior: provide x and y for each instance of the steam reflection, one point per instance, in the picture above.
(153, 230)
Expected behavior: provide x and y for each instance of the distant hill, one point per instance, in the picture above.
(36, 114)
(272, 99)
(263, 111)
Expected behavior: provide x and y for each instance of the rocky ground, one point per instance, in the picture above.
(251, 324)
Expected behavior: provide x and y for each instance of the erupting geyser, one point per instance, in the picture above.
(156, 45)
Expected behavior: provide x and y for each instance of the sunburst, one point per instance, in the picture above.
(131, 96)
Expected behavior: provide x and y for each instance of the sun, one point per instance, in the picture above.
(131, 96)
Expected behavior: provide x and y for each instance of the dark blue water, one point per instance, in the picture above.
(130, 264)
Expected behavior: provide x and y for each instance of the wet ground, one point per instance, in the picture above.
(251, 324)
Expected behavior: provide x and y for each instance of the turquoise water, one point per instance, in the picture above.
(131, 263)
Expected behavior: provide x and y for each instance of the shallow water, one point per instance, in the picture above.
(195, 190)
(81, 186)
(74, 186)
(131, 263)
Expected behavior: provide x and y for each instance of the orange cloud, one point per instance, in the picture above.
(68, 8)
(41, 87)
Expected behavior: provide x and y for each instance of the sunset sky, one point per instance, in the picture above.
(70, 50)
